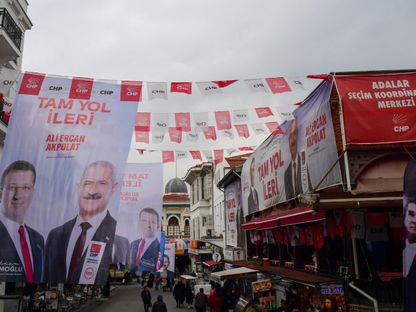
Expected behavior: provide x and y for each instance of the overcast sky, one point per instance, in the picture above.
(178, 40)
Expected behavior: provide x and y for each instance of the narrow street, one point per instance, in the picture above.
(127, 298)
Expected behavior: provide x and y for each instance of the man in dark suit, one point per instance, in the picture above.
(253, 197)
(293, 173)
(90, 232)
(22, 248)
(144, 251)
(409, 253)
(121, 251)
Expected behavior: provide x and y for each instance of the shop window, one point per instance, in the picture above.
(187, 228)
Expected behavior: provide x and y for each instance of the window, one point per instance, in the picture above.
(187, 228)
(173, 227)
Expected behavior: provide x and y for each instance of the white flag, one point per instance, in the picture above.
(160, 121)
(8, 82)
(295, 83)
(157, 136)
(208, 155)
(240, 116)
(259, 128)
(208, 87)
(201, 119)
(192, 136)
(256, 85)
(230, 151)
(228, 133)
(157, 90)
(181, 154)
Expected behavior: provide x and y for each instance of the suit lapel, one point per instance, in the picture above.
(37, 253)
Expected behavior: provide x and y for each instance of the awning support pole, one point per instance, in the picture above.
(355, 257)
(362, 292)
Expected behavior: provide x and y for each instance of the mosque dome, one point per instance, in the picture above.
(176, 185)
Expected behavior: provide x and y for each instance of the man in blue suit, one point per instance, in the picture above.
(22, 248)
(144, 251)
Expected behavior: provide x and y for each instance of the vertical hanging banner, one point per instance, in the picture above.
(234, 217)
(295, 158)
(62, 166)
(378, 108)
(140, 215)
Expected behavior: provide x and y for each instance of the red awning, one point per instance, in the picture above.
(211, 263)
(291, 217)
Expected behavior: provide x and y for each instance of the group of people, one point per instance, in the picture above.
(68, 247)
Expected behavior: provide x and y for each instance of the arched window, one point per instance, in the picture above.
(187, 228)
(173, 227)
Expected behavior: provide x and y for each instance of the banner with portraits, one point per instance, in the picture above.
(294, 161)
(62, 167)
(140, 216)
(168, 263)
(234, 217)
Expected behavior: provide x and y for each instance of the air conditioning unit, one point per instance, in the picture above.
(209, 233)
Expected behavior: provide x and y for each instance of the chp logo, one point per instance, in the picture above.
(81, 88)
(131, 91)
(31, 83)
(95, 250)
(400, 123)
(89, 273)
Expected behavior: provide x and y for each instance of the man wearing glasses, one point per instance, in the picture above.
(22, 248)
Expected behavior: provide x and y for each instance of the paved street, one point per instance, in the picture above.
(127, 298)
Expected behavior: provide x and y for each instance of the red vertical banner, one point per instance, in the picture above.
(141, 136)
(223, 119)
(168, 156)
(242, 131)
(183, 121)
(278, 85)
(81, 88)
(131, 91)
(175, 134)
(263, 112)
(378, 108)
(196, 155)
(31, 83)
(181, 87)
(218, 156)
(210, 133)
(143, 120)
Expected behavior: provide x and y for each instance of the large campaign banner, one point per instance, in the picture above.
(62, 167)
(140, 217)
(295, 161)
(234, 214)
(378, 108)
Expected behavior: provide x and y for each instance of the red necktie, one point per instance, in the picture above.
(26, 255)
(139, 253)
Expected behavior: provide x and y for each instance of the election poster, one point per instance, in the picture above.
(378, 108)
(62, 167)
(140, 217)
(234, 217)
(169, 258)
(293, 161)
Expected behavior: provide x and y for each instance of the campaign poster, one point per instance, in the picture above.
(234, 217)
(378, 108)
(140, 215)
(160, 256)
(169, 258)
(409, 219)
(293, 162)
(62, 167)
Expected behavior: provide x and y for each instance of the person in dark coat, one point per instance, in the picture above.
(159, 305)
(189, 296)
(201, 301)
(179, 294)
(146, 298)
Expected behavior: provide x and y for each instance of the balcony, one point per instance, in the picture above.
(10, 37)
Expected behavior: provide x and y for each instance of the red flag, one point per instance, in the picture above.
(242, 131)
(31, 83)
(246, 148)
(278, 85)
(223, 119)
(218, 156)
(143, 121)
(168, 156)
(181, 87)
(131, 91)
(318, 76)
(224, 83)
(263, 112)
(141, 136)
(175, 134)
(140, 151)
(209, 133)
(183, 121)
(196, 155)
(274, 127)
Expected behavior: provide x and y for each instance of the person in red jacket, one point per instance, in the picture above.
(214, 300)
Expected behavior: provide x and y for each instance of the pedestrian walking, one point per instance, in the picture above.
(214, 300)
(189, 295)
(159, 305)
(147, 298)
(179, 294)
(201, 301)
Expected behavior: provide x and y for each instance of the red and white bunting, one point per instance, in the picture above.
(201, 119)
(274, 127)
(131, 91)
(143, 120)
(256, 85)
(210, 133)
(223, 120)
(181, 87)
(296, 84)
(160, 121)
(141, 136)
(263, 112)
(229, 133)
(242, 131)
(208, 87)
(157, 137)
(157, 90)
(168, 156)
(218, 156)
(183, 121)
(192, 136)
(181, 154)
(224, 83)
(278, 85)
(196, 155)
(240, 116)
(258, 128)
(175, 134)
(208, 155)
(81, 88)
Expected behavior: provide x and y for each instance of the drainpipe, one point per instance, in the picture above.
(373, 300)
